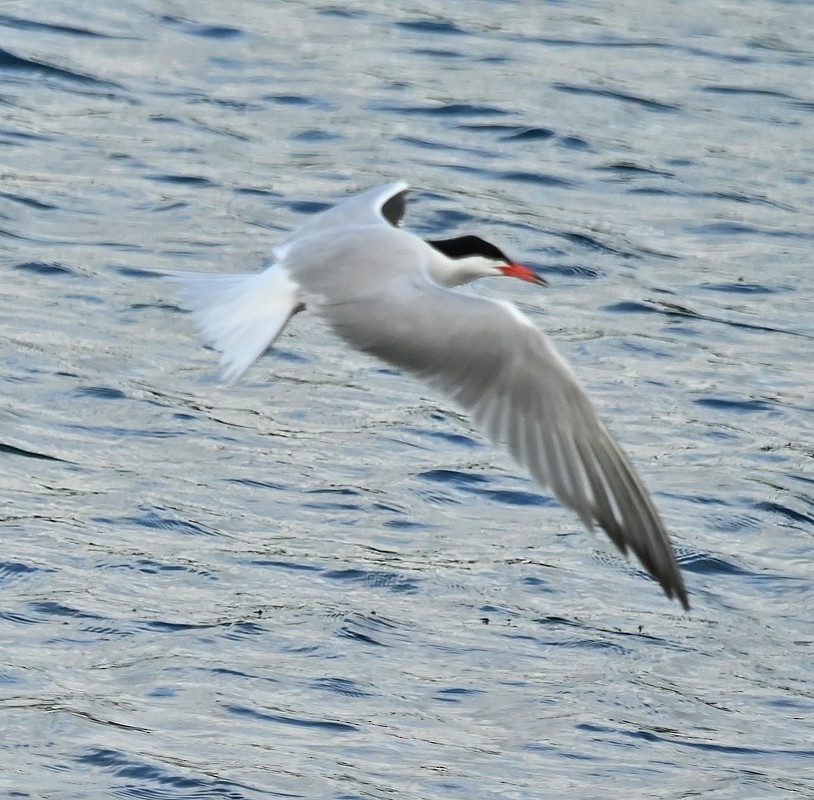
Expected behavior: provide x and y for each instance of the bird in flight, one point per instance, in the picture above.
(389, 293)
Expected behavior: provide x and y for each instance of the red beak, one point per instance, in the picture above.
(524, 273)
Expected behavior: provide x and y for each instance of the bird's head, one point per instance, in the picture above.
(467, 258)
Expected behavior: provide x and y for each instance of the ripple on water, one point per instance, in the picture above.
(392, 581)
(197, 653)
(371, 628)
(156, 518)
(11, 62)
(324, 725)
(143, 778)
(44, 268)
(481, 485)
(344, 687)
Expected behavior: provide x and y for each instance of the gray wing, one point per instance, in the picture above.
(490, 358)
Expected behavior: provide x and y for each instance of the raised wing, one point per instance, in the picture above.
(384, 205)
(490, 358)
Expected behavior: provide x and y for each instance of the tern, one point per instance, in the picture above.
(389, 293)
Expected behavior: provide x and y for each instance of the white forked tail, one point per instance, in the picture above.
(239, 315)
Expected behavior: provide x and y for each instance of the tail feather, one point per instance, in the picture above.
(241, 316)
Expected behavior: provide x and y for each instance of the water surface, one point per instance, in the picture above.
(321, 582)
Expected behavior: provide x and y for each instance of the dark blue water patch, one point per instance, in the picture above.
(13, 63)
(427, 144)
(340, 490)
(254, 191)
(334, 505)
(15, 138)
(11, 571)
(147, 780)
(107, 631)
(476, 484)
(44, 268)
(535, 178)
(737, 406)
(341, 686)
(406, 525)
(367, 629)
(423, 144)
(50, 608)
(328, 726)
(494, 59)
(707, 564)
(309, 101)
(660, 735)
(11, 450)
(341, 11)
(643, 102)
(657, 191)
(315, 135)
(455, 694)
(528, 135)
(461, 480)
(595, 644)
(737, 228)
(157, 519)
(743, 197)
(308, 207)
(431, 52)
(391, 581)
(742, 287)
(647, 347)
(532, 580)
(630, 169)
(444, 110)
(744, 90)
(457, 439)
(572, 271)
(504, 129)
(785, 511)
(32, 25)
(680, 313)
(235, 673)
(254, 484)
(27, 201)
(591, 243)
(243, 630)
(732, 522)
(150, 567)
(808, 479)
(164, 626)
(574, 143)
(442, 499)
(702, 499)
(515, 497)
(135, 272)
(205, 31)
(162, 692)
(292, 565)
(16, 618)
(432, 27)
(182, 180)
(164, 119)
(289, 99)
(100, 393)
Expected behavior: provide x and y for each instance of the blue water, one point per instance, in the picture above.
(322, 583)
